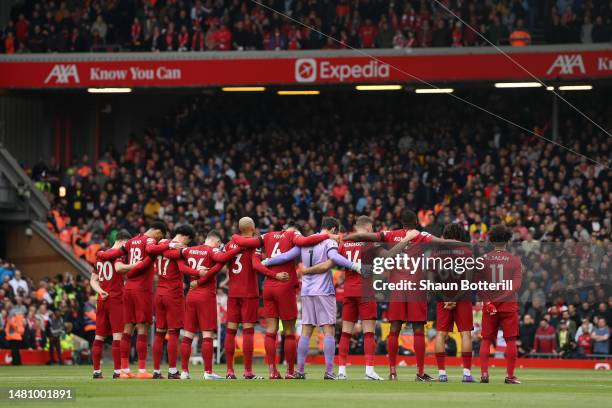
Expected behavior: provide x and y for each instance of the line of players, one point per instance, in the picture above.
(124, 277)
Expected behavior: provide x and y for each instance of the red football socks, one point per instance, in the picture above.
(441, 361)
(96, 353)
(419, 350)
(343, 348)
(290, 352)
(141, 351)
(392, 347)
(230, 348)
(207, 354)
(186, 353)
(158, 349)
(485, 347)
(126, 345)
(116, 349)
(511, 356)
(270, 346)
(173, 336)
(247, 347)
(369, 348)
(466, 357)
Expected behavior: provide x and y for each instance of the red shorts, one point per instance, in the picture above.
(137, 306)
(355, 308)
(280, 303)
(169, 311)
(242, 310)
(407, 311)
(508, 321)
(109, 316)
(200, 314)
(461, 315)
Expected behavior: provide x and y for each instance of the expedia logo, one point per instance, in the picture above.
(305, 70)
(62, 74)
(310, 70)
(565, 64)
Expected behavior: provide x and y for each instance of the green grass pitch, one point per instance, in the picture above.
(540, 388)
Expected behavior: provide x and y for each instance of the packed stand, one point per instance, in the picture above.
(186, 25)
(52, 315)
(277, 162)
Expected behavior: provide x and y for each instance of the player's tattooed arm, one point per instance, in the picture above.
(225, 256)
(210, 274)
(363, 236)
(248, 242)
(139, 268)
(259, 267)
(111, 254)
(311, 240)
(400, 246)
(285, 257)
(188, 270)
(173, 254)
(94, 281)
(319, 268)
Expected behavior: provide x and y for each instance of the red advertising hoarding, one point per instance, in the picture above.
(203, 70)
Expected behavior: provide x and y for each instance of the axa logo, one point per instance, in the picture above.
(305, 70)
(62, 74)
(565, 64)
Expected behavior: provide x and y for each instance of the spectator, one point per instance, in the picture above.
(601, 337)
(17, 282)
(15, 330)
(584, 340)
(586, 30)
(54, 334)
(600, 32)
(545, 339)
(520, 37)
(497, 32)
(567, 345)
(384, 38)
(527, 332)
(441, 36)
(100, 28)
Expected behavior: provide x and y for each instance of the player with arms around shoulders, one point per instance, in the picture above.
(243, 299)
(138, 293)
(108, 284)
(401, 310)
(170, 303)
(500, 308)
(201, 303)
(454, 307)
(279, 296)
(318, 294)
(359, 302)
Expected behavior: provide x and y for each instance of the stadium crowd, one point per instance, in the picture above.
(198, 25)
(277, 162)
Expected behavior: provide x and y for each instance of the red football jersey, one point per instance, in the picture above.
(502, 266)
(395, 236)
(110, 281)
(169, 277)
(276, 243)
(392, 238)
(138, 249)
(242, 275)
(444, 275)
(201, 255)
(354, 284)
